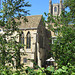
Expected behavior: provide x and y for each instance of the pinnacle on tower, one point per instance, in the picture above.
(50, 1)
(50, 6)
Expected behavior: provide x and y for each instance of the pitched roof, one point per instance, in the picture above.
(33, 22)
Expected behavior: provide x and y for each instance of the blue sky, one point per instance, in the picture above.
(40, 6)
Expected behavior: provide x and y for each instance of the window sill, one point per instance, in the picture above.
(28, 50)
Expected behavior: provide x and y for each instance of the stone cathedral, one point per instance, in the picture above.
(35, 37)
(55, 9)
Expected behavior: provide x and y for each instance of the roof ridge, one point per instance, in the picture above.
(34, 15)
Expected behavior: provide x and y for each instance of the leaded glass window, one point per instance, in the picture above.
(22, 38)
(55, 9)
(24, 60)
(28, 40)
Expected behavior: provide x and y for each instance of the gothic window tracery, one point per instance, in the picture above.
(28, 40)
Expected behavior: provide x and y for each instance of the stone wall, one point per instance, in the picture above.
(30, 52)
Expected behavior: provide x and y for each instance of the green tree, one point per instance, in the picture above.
(12, 9)
(63, 48)
(70, 4)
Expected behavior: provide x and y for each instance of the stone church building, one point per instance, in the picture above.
(35, 36)
(36, 39)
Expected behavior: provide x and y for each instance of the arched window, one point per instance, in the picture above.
(24, 60)
(22, 37)
(28, 40)
(55, 9)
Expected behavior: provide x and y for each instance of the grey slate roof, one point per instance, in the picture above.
(33, 22)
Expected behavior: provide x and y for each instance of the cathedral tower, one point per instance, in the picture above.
(55, 9)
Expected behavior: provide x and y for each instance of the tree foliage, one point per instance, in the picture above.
(70, 4)
(63, 48)
(9, 46)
